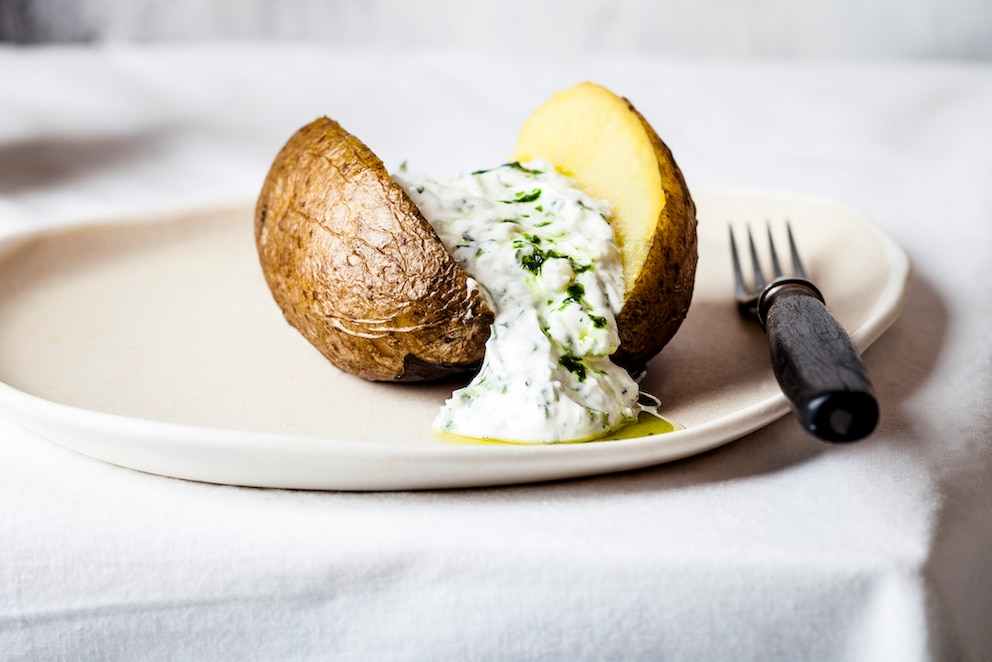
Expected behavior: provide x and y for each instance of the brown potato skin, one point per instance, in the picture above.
(357, 270)
(656, 305)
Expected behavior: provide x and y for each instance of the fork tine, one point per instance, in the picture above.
(741, 289)
(797, 265)
(776, 266)
(759, 279)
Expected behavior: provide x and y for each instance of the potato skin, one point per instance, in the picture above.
(357, 270)
(655, 307)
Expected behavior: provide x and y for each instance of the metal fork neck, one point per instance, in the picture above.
(784, 287)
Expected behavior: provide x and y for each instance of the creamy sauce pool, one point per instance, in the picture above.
(543, 255)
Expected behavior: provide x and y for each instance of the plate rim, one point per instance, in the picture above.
(42, 416)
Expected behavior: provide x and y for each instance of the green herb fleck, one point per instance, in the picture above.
(574, 365)
(598, 321)
(517, 166)
(528, 197)
(524, 196)
(532, 261)
(575, 292)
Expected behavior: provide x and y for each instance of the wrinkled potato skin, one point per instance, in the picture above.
(357, 270)
(657, 304)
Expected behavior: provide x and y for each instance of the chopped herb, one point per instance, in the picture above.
(485, 170)
(598, 321)
(539, 208)
(532, 261)
(524, 196)
(527, 197)
(574, 365)
(517, 166)
(575, 292)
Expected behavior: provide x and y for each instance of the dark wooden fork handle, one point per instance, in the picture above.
(818, 368)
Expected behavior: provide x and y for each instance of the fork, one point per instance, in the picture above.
(814, 361)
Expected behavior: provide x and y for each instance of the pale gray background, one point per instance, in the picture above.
(859, 29)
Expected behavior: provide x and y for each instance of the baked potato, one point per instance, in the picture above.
(358, 270)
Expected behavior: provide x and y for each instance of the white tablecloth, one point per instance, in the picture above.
(775, 547)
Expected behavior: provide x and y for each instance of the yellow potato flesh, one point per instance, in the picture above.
(590, 134)
(599, 139)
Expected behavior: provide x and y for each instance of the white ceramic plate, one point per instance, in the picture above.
(154, 344)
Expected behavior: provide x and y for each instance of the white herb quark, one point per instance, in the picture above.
(544, 255)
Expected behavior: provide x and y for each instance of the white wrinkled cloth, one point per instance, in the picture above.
(775, 547)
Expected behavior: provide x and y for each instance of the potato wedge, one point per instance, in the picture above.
(598, 138)
(357, 269)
